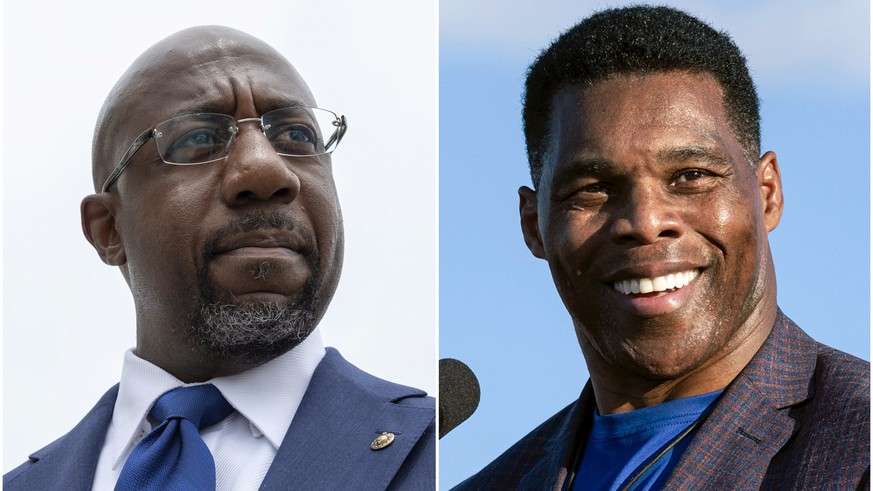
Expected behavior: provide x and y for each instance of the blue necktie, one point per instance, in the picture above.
(173, 456)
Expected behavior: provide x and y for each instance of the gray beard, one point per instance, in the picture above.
(253, 333)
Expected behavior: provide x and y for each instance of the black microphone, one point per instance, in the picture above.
(459, 394)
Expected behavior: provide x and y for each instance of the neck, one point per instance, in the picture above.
(619, 390)
(189, 364)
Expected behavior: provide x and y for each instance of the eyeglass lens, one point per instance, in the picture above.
(205, 137)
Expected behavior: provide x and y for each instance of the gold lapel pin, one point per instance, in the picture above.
(382, 441)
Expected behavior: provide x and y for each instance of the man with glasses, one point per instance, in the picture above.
(228, 230)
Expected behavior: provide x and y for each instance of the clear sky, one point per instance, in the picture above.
(68, 317)
(499, 311)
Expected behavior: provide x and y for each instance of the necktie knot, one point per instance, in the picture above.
(173, 456)
(202, 405)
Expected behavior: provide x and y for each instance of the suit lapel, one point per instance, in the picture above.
(549, 472)
(327, 445)
(563, 451)
(54, 468)
(751, 421)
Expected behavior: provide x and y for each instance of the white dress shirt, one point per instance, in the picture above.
(243, 444)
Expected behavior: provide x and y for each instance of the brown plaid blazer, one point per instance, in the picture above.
(797, 417)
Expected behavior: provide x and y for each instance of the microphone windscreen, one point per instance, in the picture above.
(459, 394)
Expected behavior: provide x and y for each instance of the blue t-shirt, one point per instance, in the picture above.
(621, 444)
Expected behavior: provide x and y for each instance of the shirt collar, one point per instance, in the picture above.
(252, 393)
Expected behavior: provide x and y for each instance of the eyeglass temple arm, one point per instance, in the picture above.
(128, 156)
(337, 135)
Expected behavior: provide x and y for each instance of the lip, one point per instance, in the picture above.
(655, 303)
(267, 264)
(275, 242)
(651, 270)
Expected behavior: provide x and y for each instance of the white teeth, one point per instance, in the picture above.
(646, 286)
(658, 284)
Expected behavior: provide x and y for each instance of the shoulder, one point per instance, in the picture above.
(542, 448)
(843, 376)
(840, 406)
(836, 384)
(70, 459)
(334, 366)
(351, 401)
(830, 442)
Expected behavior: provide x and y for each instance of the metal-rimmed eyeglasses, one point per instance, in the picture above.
(202, 138)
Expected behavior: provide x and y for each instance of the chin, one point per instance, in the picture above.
(654, 357)
(254, 327)
(662, 361)
(254, 333)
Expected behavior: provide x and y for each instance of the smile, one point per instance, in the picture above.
(672, 281)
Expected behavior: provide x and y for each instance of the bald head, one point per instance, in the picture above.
(165, 71)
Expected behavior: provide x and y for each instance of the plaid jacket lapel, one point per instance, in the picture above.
(751, 422)
(561, 453)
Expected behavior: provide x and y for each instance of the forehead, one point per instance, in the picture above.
(210, 74)
(664, 100)
(633, 117)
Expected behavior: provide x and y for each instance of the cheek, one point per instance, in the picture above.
(737, 229)
(570, 240)
(319, 210)
(320, 207)
(160, 233)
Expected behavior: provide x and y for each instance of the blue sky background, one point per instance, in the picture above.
(499, 311)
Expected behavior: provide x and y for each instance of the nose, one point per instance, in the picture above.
(254, 172)
(646, 216)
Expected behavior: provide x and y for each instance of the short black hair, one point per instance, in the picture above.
(637, 40)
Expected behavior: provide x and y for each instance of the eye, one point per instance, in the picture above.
(695, 180)
(198, 145)
(587, 195)
(294, 139)
(690, 175)
(595, 188)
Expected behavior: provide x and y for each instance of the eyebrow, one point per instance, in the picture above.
(282, 101)
(684, 154)
(221, 107)
(584, 167)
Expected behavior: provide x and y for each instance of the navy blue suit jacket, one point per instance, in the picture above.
(797, 417)
(327, 445)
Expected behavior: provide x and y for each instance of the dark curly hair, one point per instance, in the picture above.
(633, 40)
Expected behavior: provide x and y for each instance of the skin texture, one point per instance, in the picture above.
(162, 224)
(645, 177)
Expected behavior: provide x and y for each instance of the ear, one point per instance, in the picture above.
(530, 226)
(100, 227)
(770, 186)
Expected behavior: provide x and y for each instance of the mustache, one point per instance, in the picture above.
(262, 220)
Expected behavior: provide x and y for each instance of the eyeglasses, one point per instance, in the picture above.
(202, 138)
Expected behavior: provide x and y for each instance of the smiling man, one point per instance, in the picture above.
(216, 200)
(652, 204)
